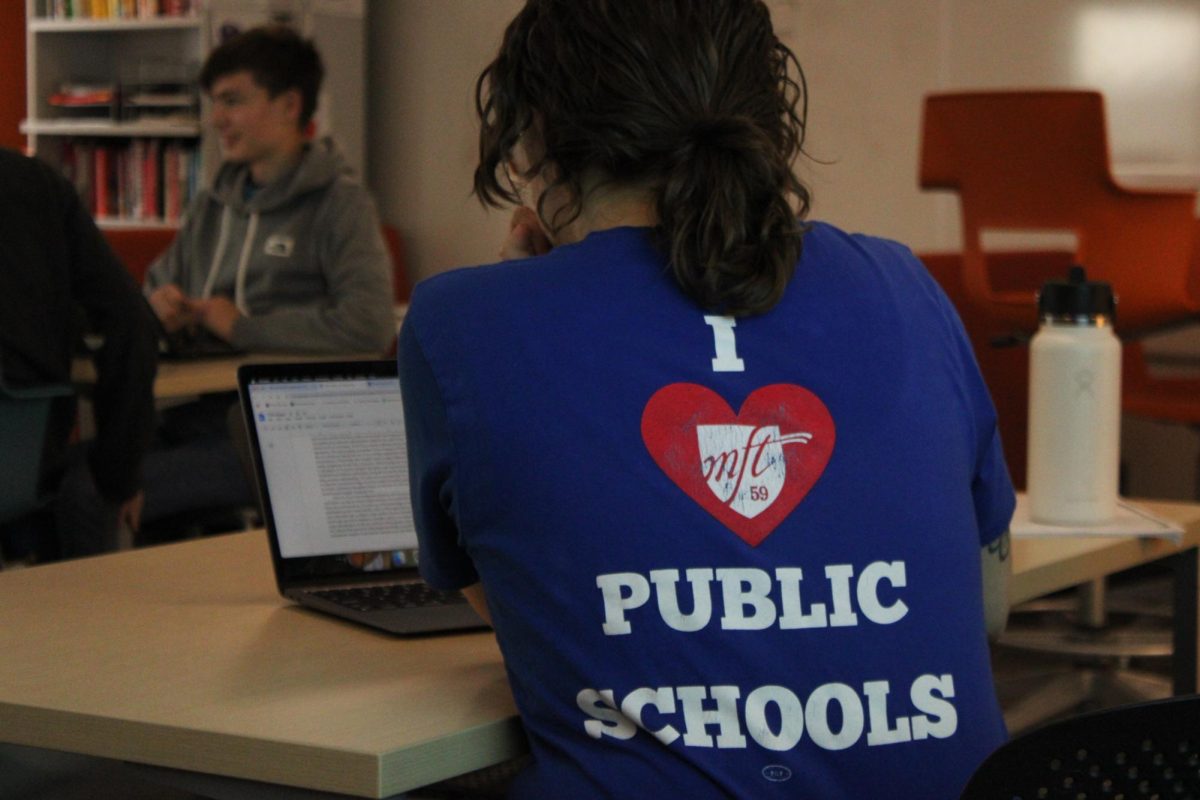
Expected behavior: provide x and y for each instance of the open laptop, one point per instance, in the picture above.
(332, 473)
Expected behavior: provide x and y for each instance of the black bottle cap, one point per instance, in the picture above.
(1076, 297)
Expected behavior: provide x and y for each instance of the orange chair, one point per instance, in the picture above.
(1164, 399)
(138, 247)
(401, 283)
(1005, 369)
(1038, 160)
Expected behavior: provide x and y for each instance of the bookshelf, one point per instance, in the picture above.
(111, 99)
(147, 54)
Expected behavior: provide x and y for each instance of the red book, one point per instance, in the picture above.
(172, 195)
(100, 182)
(149, 166)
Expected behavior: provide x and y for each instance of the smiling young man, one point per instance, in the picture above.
(283, 253)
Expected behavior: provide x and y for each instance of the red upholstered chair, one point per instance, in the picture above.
(402, 284)
(1005, 369)
(1037, 161)
(138, 247)
(1033, 162)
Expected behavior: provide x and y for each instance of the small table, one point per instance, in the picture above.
(185, 656)
(189, 378)
(1045, 565)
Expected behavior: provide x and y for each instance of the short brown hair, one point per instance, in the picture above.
(277, 57)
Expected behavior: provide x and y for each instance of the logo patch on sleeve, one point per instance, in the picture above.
(749, 469)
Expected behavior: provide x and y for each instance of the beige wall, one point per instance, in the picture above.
(423, 60)
(868, 63)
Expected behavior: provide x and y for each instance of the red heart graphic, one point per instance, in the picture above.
(750, 469)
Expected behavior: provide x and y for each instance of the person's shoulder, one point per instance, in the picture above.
(346, 187)
(462, 284)
(826, 238)
(870, 262)
(14, 159)
(17, 166)
(473, 292)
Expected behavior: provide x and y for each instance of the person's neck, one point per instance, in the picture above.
(607, 207)
(265, 170)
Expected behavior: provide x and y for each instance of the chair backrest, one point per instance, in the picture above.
(24, 422)
(1038, 161)
(1143, 750)
(401, 283)
(138, 247)
(1004, 369)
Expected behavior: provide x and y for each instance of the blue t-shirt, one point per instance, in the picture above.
(723, 558)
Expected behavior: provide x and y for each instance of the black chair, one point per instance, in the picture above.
(25, 418)
(1142, 751)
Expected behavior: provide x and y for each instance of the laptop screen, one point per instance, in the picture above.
(332, 466)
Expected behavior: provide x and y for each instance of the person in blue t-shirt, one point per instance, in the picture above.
(727, 483)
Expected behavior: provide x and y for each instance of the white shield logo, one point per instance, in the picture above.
(744, 464)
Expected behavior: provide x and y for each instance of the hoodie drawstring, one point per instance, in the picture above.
(239, 286)
(218, 252)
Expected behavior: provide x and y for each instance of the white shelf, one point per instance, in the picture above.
(122, 222)
(113, 25)
(71, 127)
(1182, 176)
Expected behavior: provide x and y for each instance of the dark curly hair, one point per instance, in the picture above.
(277, 57)
(693, 99)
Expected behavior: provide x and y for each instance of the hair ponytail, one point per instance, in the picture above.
(695, 100)
(725, 220)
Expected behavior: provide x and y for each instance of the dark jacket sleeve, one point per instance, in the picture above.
(125, 362)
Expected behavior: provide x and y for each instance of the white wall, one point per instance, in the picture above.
(868, 63)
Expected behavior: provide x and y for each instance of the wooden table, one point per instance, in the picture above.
(184, 656)
(192, 377)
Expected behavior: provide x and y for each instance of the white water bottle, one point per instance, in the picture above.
(1074, 404)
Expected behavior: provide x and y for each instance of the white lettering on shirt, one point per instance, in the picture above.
(703, 711)
(753, 599)
(725, 345)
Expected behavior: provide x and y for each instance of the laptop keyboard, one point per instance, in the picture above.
(389, 596)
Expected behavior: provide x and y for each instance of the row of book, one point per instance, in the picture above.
(137, 180)
(116, 9)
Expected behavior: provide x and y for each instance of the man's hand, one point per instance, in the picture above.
(172, 307)
(129, 513)
(218, 315)
(525, 236)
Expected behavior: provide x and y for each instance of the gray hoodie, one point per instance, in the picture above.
(302, 258)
